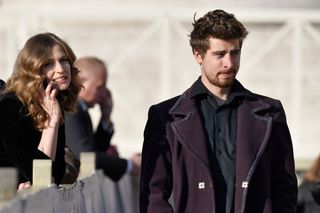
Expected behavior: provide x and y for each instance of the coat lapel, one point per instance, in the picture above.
(252, 136)
(189, 129)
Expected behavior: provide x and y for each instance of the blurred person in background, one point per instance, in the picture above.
(217, 147)
(309, 190)
(43, 85)
(2, 83)
(316, 192)
(80, 136)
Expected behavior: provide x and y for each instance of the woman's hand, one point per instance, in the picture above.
(24, 185)
(49, 138)
(51, 105)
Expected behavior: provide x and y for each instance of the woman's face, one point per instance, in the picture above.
(58, 68)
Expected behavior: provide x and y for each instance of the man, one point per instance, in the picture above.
(80, 136)
(316, 192)
(217, 147)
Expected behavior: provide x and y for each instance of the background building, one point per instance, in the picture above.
(145, 44)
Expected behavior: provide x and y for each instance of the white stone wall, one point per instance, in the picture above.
(147, 51)
(301, 4)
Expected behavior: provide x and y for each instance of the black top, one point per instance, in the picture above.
(19, 140)
(220, 119)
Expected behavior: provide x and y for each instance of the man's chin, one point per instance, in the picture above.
(225, 83)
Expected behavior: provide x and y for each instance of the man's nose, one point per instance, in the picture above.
(228, 61)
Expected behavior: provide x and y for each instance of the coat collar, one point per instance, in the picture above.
(187, 101)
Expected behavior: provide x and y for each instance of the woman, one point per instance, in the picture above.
(43, 85)
(307, 194)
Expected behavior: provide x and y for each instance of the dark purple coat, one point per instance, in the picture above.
(175, 159)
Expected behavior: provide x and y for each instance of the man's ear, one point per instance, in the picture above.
(198, 56)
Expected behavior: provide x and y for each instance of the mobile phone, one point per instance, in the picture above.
(45, 83)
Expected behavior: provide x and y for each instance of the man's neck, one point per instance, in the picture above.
(222, 93)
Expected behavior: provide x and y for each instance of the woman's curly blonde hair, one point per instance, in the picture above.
(27, 80)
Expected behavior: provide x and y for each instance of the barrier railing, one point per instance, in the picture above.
(91, 193)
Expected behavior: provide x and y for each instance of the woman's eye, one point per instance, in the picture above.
(64, 61)
(48, 65)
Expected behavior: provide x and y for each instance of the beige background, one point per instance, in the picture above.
(145, 45)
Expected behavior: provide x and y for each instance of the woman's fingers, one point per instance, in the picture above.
(51, 90)
(48, 89)
(53, 93)
(24, 185)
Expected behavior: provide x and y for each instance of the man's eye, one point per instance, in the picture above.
(234, 53)
(219, 55)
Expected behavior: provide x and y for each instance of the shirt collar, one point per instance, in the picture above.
(199, 90)
(83, 105)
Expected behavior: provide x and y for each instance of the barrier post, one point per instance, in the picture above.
(42, 173)
(88, 164)
(8, 184)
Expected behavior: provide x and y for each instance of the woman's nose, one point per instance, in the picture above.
(59, 67)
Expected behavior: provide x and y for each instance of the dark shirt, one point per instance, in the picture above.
(80, 137)
(220, 119)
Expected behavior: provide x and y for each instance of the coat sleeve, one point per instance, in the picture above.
(20, 140)
(102, 136)
(156, 175)
(59, 164)
(284, 181)
(113, 167)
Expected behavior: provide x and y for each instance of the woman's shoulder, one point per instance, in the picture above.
(9, 104)
(9, 99)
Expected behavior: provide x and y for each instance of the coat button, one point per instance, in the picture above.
(201, 185)
(244, 184)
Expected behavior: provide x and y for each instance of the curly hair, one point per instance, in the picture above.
(217, 24)
(27, 80)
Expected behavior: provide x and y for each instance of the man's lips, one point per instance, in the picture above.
(227, 73)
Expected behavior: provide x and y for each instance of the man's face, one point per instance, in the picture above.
(94, 87)
(220, 64)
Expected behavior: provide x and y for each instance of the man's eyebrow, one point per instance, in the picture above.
(219, 51)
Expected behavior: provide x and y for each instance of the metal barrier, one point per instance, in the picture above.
(92, 193)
